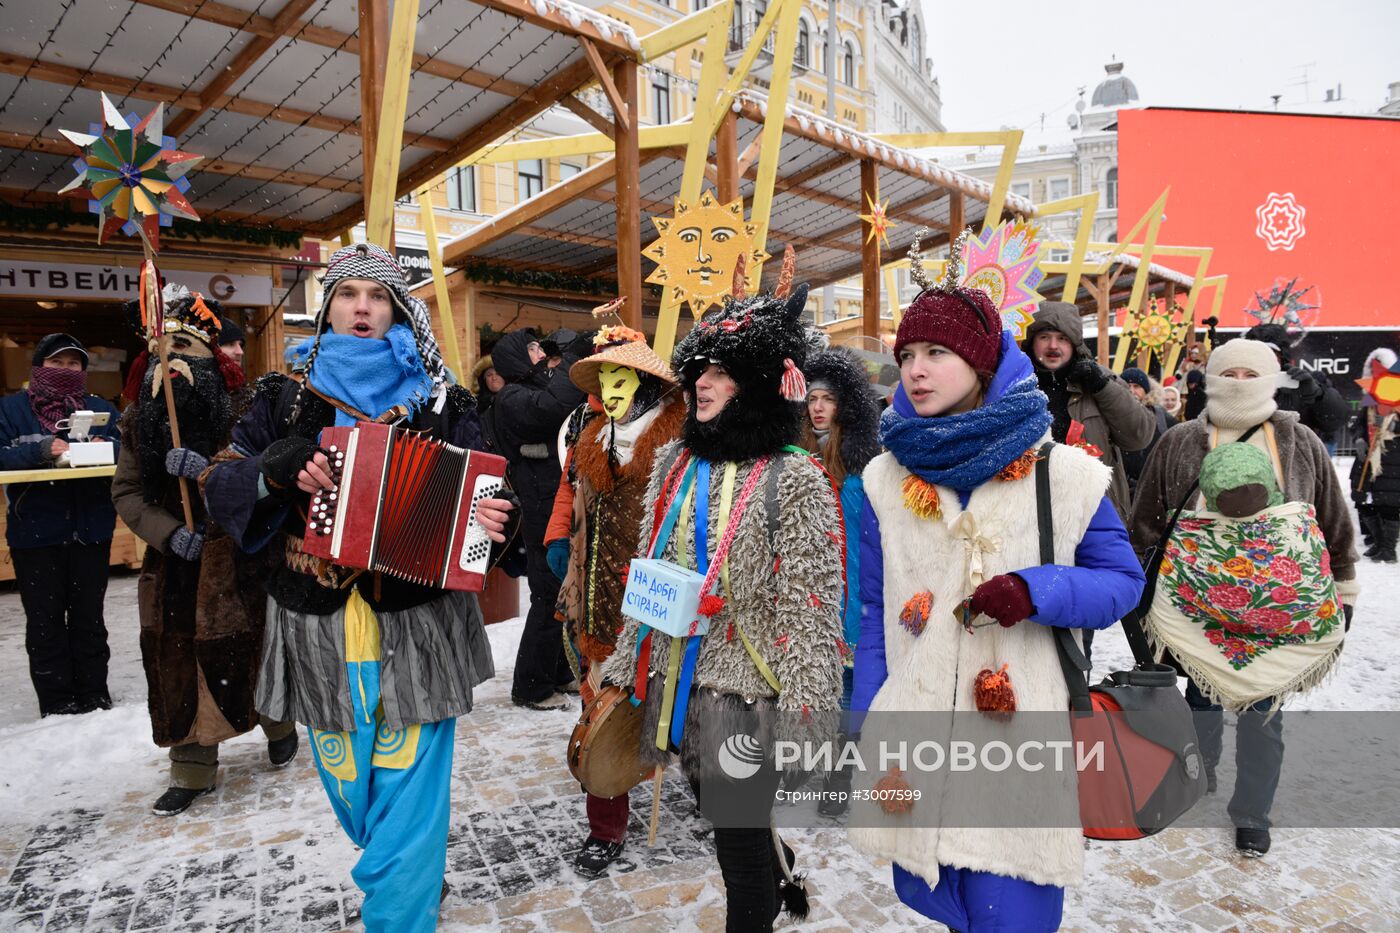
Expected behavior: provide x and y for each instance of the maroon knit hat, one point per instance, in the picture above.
(961, 319)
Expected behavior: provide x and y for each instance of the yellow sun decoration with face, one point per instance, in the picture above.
(697, 249)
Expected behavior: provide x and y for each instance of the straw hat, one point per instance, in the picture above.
(634, 354)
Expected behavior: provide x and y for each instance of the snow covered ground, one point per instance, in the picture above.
(79, 849)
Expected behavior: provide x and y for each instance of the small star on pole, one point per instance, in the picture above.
(879, 220)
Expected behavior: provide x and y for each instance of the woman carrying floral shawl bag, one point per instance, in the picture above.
(1245, 600)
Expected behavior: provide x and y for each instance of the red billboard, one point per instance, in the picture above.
(1278, 196)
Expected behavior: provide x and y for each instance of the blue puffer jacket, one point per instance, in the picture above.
(852, 514)
(1104, 583)
(49, 513)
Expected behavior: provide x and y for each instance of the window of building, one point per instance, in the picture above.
(1110, 187)
(1057, 188)
(661, 97)
(1021, 189)
(461, 188)
(529, 177)
(915, 44)
(849, 63)
(1058, 255)
(804, 44)
(699, 4)
(568, 170)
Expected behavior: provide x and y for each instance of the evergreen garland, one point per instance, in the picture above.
(40, 217)
(492, 274)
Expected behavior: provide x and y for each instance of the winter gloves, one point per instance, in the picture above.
(186, 544)
(557, 556)
(1088, 375)
(283, 460)
(181, 461)
(1005, 597)
(1309, 391)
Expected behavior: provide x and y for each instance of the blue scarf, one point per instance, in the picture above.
(964, 451)
(369, 375)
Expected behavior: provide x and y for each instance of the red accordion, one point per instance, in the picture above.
(404, 504)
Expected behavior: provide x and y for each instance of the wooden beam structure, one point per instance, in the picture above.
(562, 82)
(870, 254)
(590, 116)
(59, 146)
(727, 172)
(257, 46)
(956, 221)
(606, 81)
(374, 53)
(68, 76)
(627, 172)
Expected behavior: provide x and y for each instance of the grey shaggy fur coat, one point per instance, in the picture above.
(786, 597)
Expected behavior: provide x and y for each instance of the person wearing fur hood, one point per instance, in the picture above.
(841, 427)
(947, 520)
(1242, 377)
(769, 666)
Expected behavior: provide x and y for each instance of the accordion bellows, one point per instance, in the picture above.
(404, 504)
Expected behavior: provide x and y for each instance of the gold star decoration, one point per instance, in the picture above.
(879, 220)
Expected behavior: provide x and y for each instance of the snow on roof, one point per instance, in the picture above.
(1135, 262)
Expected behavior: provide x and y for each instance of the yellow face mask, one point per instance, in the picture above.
(617, 386)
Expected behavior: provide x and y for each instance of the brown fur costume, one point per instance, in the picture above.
(201, 622)
(608, 508)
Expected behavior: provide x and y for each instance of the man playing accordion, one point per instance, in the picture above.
(378, 668)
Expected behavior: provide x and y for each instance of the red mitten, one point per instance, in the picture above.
(1005, 598)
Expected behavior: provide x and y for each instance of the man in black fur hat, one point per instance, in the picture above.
(202, 605)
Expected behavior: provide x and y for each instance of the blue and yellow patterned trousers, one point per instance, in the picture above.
(391, 790)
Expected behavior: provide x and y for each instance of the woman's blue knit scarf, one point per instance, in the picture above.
(964, 451)
(371, 376)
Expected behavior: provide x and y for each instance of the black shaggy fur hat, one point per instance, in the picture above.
(753, 339)
(857, 407)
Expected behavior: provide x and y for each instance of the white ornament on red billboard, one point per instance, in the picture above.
(1280, 221)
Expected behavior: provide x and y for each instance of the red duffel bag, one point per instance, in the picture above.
(1150, 771)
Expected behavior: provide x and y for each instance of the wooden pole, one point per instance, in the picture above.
(451, 353)
(374, 52)
(628, 198)
(1101, 290)
(955, 215)
(388, 146)
(869, 253)
(727, 158)
(150, 283)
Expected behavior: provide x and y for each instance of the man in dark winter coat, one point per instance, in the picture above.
(1082, 391)
(522, 426)
(1318, 404)
(60, 533)
(1375, 474)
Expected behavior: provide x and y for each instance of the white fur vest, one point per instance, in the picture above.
(935, 671)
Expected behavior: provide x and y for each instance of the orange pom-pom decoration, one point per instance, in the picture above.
(921, 497)
(914, 615)
(711, 604)
(888, 793)
(1019, 468)
(993, 694)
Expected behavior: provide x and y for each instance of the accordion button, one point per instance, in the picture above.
(332, 497)
(334, 448)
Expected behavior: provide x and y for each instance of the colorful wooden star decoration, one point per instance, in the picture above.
(1382, 386)
(1003, 262)
(132, 173)
(879, 220)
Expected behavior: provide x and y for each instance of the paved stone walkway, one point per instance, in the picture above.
(79, 850)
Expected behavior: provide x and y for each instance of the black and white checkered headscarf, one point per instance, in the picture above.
(367, 261)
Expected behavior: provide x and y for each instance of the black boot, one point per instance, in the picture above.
(178, 800)
(1370, 528)
(836, 794)
(281, 751)
(595, 856)
(1389, 533)
(1252, 843)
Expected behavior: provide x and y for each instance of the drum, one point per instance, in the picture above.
(603, 748)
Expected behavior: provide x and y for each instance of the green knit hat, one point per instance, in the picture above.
(1238, 479)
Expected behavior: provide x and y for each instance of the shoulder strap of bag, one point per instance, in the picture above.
(1073, 663)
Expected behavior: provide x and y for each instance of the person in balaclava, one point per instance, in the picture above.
(378, 668)
(610, 461)
(60, 534)
(1241, 380)
(523, 426)
(769, 665)
(202, 603)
